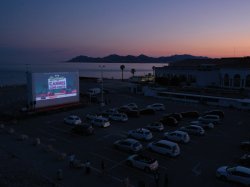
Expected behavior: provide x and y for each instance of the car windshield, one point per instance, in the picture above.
(230, 169)
(136, 144)
(146, 159)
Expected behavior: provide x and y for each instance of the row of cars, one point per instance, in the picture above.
(103, 119)
(166, 146)
(240, 173)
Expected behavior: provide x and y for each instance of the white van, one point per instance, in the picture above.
(94, 91)
(165, 147)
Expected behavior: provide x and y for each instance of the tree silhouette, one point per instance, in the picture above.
(122, 67)
(133, 71)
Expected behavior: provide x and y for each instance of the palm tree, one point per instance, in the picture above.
(122, 67)
(153, 70)
(133, 71)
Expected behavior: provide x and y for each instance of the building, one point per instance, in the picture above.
(232, 73)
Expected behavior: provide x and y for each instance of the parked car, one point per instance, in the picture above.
(109, 112)
(130, 112)
(73, 120)
(155, 126)
(157, 107)
(90, 117)
(244, 160)
(193, 129)
(204, 125)
(177, 116)
(131, 106)
(215, 119)
(245, 145)
(165, 147)
(118, 117)
(100, 122)
(143, 162)
(219, 113)
(190, 114)
(237, 174)
(141, 134)
(129, 144)
(171, 121)
(177, 136)
(83, 129)
(147, 111)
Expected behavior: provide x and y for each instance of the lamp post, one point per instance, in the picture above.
(102, 66)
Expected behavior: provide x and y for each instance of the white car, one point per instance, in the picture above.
(165, 147)
(157, 106)
(73, 120)
(118, 117)
(238, 174)
(100, 122)
(204, 125)
(140, 134)
(142, 162)
(215, 119)
(193, 129)
(129, 144)
(131, 106)
(177, 136)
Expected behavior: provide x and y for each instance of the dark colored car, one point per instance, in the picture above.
(245, 160)
(245, 145)
(215, 112)
(147, 111)
(84, 129)
(190, 114)
(177, 116)
(171, 121)
(130, 112)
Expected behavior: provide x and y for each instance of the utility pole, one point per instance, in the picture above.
(102, 66)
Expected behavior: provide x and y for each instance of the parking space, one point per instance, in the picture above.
(195, 166)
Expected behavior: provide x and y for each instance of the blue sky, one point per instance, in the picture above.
(53, 30)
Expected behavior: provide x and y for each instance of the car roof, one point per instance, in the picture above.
(73, 116)
(179, 132)
(166, 142)
(130, 140)
(243, 169)
(142, 129)
(196, 126)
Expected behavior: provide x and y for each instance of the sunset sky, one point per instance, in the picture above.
(56, 30)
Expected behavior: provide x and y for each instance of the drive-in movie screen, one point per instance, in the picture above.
(55, 88)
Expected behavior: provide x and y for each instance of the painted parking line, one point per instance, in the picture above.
(196, 169)
(113, 177)
(57, 137)
(103, 157)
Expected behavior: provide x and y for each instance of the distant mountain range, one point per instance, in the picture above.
(134, 59)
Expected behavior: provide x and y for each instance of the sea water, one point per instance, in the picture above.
(14, 74)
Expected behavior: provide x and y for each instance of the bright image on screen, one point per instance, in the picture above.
(54, 86)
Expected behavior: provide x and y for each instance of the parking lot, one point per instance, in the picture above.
(195, 166)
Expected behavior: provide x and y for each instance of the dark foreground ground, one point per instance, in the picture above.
(23, 164)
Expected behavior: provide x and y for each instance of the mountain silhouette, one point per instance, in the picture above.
(114, 58)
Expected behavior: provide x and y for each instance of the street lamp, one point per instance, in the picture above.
(102, 66)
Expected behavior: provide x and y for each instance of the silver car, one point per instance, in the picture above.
(129, 144)
(177, 136)
(238, 174)
(193, 129)
(140, 134)
(142, 162)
